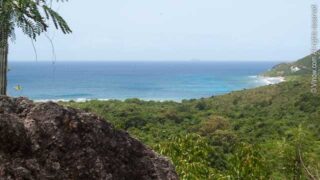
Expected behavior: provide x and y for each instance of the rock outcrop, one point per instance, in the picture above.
(49, 141)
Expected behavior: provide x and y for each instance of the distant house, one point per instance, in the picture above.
(294, 68)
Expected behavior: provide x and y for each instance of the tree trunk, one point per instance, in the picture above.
(3, 61)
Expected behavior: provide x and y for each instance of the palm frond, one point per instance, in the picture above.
(33, 17)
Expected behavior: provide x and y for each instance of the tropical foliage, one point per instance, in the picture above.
(301, 67)
(33, 17)
(271, 132)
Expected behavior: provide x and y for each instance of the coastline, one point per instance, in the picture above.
(79, 100)
(268, 80)
(260, 79)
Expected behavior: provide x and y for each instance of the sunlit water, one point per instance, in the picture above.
(145, 80)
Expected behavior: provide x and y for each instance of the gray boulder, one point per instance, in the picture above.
(49, 141)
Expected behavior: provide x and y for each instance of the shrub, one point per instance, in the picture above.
(213, 124)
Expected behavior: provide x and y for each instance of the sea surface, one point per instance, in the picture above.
(170, 80)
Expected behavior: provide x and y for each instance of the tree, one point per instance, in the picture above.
(191, 154)
(248, 163)
(33, 17)
(302, 155)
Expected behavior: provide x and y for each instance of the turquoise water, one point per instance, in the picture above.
(121, 80)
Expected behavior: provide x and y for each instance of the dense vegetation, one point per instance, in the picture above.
(270, 132)
(301, 67)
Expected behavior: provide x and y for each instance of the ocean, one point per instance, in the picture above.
(171, 80)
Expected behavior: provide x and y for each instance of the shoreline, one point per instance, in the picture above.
(271, 80)
(264, 80)
(80, 100)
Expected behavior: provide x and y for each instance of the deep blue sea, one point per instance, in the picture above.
(121, 80)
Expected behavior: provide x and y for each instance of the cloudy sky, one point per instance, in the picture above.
(155, 30)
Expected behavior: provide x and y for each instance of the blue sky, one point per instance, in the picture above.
(155, 30)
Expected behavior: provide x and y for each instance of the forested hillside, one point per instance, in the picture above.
(301, 67)
(267, 132)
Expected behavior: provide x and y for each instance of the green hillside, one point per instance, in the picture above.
(301, 67)
(270, 132)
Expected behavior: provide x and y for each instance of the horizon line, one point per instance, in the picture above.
(37, 60)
